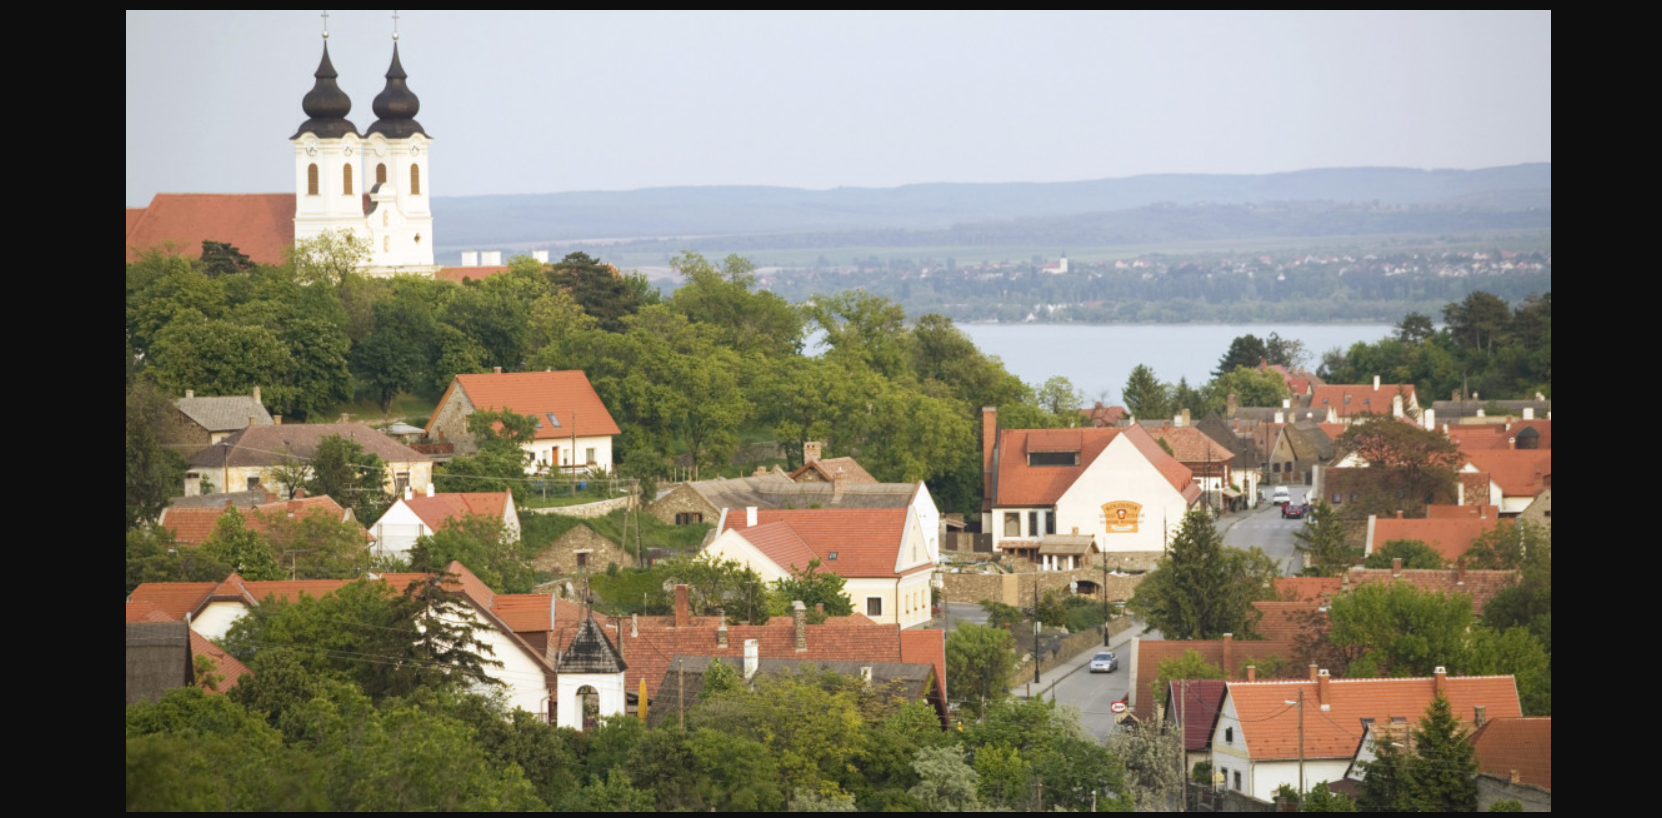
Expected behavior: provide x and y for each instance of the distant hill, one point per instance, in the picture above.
(485, 221)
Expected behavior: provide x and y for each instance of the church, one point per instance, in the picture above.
(373, 183)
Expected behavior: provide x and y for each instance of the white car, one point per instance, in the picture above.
(1282, 496)
(1104, 662)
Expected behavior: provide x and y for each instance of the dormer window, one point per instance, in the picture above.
(1052, 458)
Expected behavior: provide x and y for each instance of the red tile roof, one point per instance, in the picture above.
(1472, 437)
(1022, 485)
(172, 599)
(1151, 652)
(866, 541)
(1522, 745)
(538, 394)
(192, 526)
(1482, 586)
(780, 543)
(175, 599)
(1284, 621)
(440, 509)
(1518, 472)
(1448, 511)
(526, 613)
(229, 669)
(828, 469)
(1197, 701)
(1363, 398)
(1333, 722)
(1450, 536)
(1296, 589)
(1190, 445)
(261, 225)
(460, 274)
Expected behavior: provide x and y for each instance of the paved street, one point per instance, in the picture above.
(1092, 693)
(1265, 529)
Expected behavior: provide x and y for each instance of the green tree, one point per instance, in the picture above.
(810, 725)
(1415, 328)
(1059, 397)
(1250, 386)
(1188, 666)
(500, 461)
(979, 661)
(812, 587)
(1516, 652)
(1145, 395)
(155, 472)
(1520, 545)
(1476, 321)
(1388, 783)
(1416, 463)
(398, 353)
(1399, 630)
(749, 321)
(1324, 543)
(1245, 351)
(1444, 773)
(483, 544)
(320, 376)
(1151, 753)
(598, 288)
(233, 544)
(1413, 553)
(1200, 589)
(1321, 799)
(355, 478)
(861, 328)
(153, 557)
(946, 783)
(329, 257)
(220, 358)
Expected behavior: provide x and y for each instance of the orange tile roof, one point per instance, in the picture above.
(866, 541)
(1449, 511)
(1022, 485)
(261, 225)
(145, 611)
(1523, 745)
(192, 526)
(1284, 621)
(1450, 536)
(440, 509)
(1363, 398)
(460, 274)
(1294, 589)
(227, 666)
(173, 599)
(781, 544)
(1488, 436)
(828, 468)
(538, 394)
(1333, 721)
(1190, 445)
(526, 613)
(1481, 586)
(1518, 472)
(1151, 652)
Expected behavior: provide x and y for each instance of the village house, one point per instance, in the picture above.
(527, 670)
(256, 455)
(204, 421)
(1482, 585)
(1237, 658)
(573, 431)
(1192, 706)
(1299, 448)
(1476, 411)
(412, 517)
(1115, 486)
(881, 554)
(151, 654)
(1222, 485)
(1257, 738)
(1508, 478)
(1514, 762)
(1449, 529)
(1351, 402)
(192, 525)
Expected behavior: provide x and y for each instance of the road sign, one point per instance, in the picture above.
(1117, 707)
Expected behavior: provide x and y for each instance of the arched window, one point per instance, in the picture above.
(386, 243)
(346, 180)
(311, 179)
(381, 173)
(386, 218)
(415, 180)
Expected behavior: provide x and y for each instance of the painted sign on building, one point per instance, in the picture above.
(1120, 516)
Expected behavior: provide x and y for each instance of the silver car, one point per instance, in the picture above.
(1104, 662)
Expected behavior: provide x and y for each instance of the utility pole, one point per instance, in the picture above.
(1035, 631)
(1301, 743)
(681, 695)
(1104, 599)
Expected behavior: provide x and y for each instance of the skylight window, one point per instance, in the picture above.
(833, 555)
(553, 420)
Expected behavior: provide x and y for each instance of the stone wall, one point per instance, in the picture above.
(1072, 645)
(1492, 788)
(588, 510)
(561, 556)
(1018, 588)
(679, 500)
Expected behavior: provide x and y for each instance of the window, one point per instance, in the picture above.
(415, 180)
(831, 556)
(346, 180)
(1032, 523)
(554, 421)
(590, 456)
(689, 517)
(311, 179)
(253, 482)
(582, 560)
(381, 173)
(1338, 498)
(1237, 780)
(386, 243)
(1228, 735)
(386, 218)
(1052, 458)
(401, 481)
(1012, 524)
(1050, 523)
(874, 606)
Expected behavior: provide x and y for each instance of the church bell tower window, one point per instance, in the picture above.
(311, 179)
(415, 180)
(346, 180)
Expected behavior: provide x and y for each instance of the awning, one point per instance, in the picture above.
(1066, 545)
(1231, 493)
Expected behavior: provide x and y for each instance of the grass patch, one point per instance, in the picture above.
(537, 531)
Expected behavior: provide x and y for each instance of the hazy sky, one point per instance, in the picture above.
(534, 102)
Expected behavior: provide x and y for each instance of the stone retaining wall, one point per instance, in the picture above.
(1072, 645)
(589, 510)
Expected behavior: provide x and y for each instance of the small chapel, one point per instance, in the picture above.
(373, 183)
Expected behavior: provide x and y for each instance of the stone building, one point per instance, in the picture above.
(581, 551)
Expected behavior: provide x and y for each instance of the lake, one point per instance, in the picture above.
(1098, 357)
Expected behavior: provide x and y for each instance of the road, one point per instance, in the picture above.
(1265, 529)
(1092, 693)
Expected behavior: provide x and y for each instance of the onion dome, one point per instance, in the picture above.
(396, 106)
(326, 105)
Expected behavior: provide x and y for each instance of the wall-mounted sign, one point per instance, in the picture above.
(1120, 516)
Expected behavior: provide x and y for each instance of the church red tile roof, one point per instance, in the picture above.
(539, 394)
(261, 225)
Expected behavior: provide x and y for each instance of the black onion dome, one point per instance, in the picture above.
(396, 106)
(326, 104)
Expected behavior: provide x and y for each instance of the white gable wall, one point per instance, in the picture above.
(1121, 472)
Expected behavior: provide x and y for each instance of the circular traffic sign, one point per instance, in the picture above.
(1117, 707)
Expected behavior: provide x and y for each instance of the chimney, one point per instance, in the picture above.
(470, 258)
(409, 493)
(430, 489)
(799, 617)
(1454, 396)
(1252, 673)
(490, 258)
(810, 452)
(190, 393)
(1177, 420)
(635, 625)
(721, 634)
(1511, 443)
(1481, 413)
(1322, 679)
(1513, 777)
(1399, 513)
(1438, 678)
(276, 420)
(752, 657)
(496, 370)
(1376, 383)
(749, 516)
(1540, 397)
(1529, 413)
(1480, 716)
(1475, 397)
(193, 484)
(1186, 418)
(1280, 417)
(299, 493)
(253, 421)
(1396, 406)
(1313, 671)
(1229, 655)
(1460, 571)
(271, 496)
(989, 440)
(819, 607)
(1430, 416)
(256, 394)
(839, 483)
(1286, 403)
(1396, 566)
(541, 256)
(683, 611)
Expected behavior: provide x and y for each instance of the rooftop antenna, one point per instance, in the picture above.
(325, 24)
(395, 25)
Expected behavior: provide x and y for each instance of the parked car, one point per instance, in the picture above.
(1282, 496)
(1104, 662)
(1294, 511)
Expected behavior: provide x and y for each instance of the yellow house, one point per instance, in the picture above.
(253, 456)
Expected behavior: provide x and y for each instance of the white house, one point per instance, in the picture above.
(1115, 485)
(1256, 740)
(882, 554)
(412, 517)
(573, 431)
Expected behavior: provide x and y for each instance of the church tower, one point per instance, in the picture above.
(328, 191)
(395, 166)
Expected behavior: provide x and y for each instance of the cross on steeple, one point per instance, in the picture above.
(395, 24)
(325, 24)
